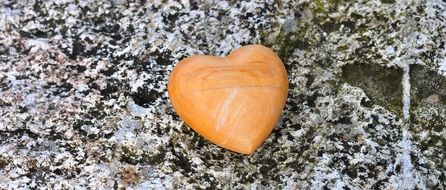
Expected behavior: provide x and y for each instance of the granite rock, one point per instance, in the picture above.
(83, 99)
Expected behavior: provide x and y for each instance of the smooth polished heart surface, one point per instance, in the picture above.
(233, 101)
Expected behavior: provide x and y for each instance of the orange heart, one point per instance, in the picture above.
(234, 101)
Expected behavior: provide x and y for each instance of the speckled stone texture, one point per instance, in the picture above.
(83, 100)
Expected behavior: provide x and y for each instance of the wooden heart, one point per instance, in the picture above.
(235, 101)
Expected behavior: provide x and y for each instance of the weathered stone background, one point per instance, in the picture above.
(83, 100)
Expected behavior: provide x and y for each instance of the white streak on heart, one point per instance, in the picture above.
(234, 114)
(226, 108)
(237, 111)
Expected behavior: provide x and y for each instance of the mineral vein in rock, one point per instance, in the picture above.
(406, 92)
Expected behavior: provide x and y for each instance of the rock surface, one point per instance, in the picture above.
(83, 101)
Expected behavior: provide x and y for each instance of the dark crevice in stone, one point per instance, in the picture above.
(19, 132)
(183, 163)
(145, 97)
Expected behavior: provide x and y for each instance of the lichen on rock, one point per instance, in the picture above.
(83, 99)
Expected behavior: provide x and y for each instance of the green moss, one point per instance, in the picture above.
(429, 115)
(381, 84)
(424, 83)
(319, 7)
(154, 158)
(343, 48)
(431, 141)
(388, 1)
(306, 36)
(321, 10)
(428, 105)
(309, 33)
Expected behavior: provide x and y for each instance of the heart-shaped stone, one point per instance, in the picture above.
(234, 101)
